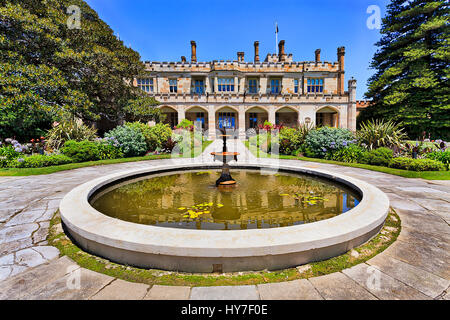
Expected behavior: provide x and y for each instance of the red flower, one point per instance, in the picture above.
(32, 140)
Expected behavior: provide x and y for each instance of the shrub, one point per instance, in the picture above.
(292, 139)
(156, 136)
(377, 157)
(186, 124)
(9, 152)
(131, 141)
(376, 134)
(417, 164)
(69, 130)
(442, 156)
(40, 161)
(323, 140)
(101, 149)
(351, 154)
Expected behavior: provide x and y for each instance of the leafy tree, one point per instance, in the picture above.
(412, 69)
(143, 109)
(48, 69)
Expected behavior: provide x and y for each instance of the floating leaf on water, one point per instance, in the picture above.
(220, 205)
(182, 208)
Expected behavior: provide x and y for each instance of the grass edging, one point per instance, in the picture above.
(427, 175)
(365, 252)
(23, 172)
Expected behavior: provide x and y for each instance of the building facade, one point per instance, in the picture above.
(242, 95)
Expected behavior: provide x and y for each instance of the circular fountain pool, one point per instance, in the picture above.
(172, 217)
(190, 200)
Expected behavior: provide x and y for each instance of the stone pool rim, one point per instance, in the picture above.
(231, 250)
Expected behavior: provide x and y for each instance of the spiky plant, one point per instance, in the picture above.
(69, 130)
(379, 133)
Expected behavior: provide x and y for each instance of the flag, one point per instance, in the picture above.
(277, 31)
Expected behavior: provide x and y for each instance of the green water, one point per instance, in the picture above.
(190, 200)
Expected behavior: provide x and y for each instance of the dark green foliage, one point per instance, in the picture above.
(48, 70)
(351, 154)
(144, 109)
(40, 161)
(8, 152)
(417, 164)
(84, 151)
(377, 157)
(292, 139)
(442, 156)
(155, 136)
(131, 140)
(411, 83)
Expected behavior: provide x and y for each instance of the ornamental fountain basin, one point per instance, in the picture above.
(204, 237)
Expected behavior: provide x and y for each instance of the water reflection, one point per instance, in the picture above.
(191, 201)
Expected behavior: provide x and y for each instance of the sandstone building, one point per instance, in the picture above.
(241, 95)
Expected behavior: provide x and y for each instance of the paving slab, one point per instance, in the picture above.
(25, 217)
(433, 204)
(406, 205)
(293, 290)
(17, 233)
(337, 286)
(425, 256)
(168, 293)
(382, 285)
(413, 235)
(421, 280)
(122, 290)
(225, 293)
(16, 287)
(425, 221)
(66, 288)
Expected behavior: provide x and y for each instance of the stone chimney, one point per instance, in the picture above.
(318, 51)
(257, 52)
(341, 61)
(281, 49)
(183, 59)
(193, 52)
(241, 56)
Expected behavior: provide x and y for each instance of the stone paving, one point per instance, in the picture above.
(415, 267)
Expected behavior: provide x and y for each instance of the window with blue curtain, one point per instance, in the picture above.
(173, 84)
(145, 84)
(225, 84)
(275, 86)
(315, 85)
(252, 86)
(199, 86)
(296, 85)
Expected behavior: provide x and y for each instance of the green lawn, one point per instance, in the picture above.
(47, 170)
(428, 175)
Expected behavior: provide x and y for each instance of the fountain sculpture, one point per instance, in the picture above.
(226, 157)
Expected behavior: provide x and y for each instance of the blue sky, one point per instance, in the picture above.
(162, 30)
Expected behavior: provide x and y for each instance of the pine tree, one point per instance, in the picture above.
(411, 83)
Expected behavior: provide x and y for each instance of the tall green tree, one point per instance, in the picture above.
(411, 83)
(49, 69)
